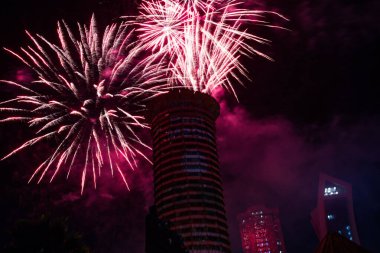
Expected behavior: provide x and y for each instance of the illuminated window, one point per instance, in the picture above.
(331, 191)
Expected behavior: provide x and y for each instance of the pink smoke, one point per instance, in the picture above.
(270, 162)
(24, 75)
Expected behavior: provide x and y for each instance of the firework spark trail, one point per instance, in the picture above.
(89, 95)
(202, 41)
(164, 24)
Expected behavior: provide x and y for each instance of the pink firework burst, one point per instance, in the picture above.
(161, 25)
(89, 95)
(202, 41)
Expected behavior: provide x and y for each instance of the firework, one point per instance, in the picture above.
(201, 41)
(163, 24)
(89, 95)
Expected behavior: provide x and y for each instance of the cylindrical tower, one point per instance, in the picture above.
(187, 185)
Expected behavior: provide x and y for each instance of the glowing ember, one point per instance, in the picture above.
(88, 95)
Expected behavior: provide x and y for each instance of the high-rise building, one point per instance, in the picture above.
(334, 211)
(260, 230)
(187, 184)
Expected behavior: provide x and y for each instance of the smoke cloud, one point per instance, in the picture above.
(272, 162)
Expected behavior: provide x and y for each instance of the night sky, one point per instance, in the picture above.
(315, 109)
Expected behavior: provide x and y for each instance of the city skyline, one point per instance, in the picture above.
(315, 109)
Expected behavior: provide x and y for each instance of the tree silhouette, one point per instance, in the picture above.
(44, 235)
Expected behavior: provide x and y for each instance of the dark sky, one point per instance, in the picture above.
(315, 109)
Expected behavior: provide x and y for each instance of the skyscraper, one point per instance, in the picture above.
(260, 230)
(334, 211)
(187, 185)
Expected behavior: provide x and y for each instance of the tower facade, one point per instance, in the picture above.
(334, 211)
(188, 190)
(260, 230)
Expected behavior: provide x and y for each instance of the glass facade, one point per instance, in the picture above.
(260, 230)
(334, 211)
